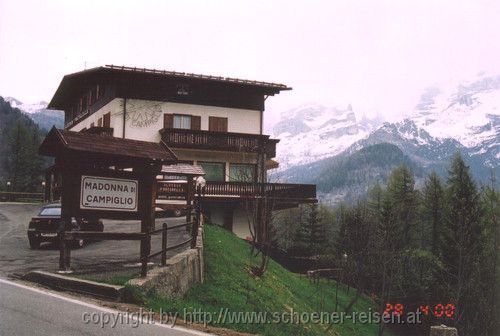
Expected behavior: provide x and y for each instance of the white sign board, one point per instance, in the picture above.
(104, 193)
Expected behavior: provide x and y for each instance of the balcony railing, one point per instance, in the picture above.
(222, 141)
(232, 190)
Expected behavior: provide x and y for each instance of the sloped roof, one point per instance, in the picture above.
(201, 76)
(60, 142)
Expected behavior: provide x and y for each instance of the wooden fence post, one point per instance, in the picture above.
(62, 251)
(144, 257)
(164, 245)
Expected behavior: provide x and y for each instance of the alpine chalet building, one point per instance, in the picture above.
(207, 121)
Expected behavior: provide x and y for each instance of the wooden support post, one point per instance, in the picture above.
(164, 245)
(62, 252)
(68, 256)
(148, 195)
(194, 228)
(144, 258)
(189, 197)
(67, 197)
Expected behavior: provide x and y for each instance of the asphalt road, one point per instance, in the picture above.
(17, 258)
(29, 311)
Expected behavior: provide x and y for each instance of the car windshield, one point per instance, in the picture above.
(53, 211)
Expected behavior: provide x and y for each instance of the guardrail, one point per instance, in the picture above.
(284, 191)
(65, 238)
(222, 141)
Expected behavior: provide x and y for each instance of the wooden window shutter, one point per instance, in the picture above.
(168, 120)
(106, 121)
(217, 124)
(92, 125)
(223, 124)
(99, 122)
(196, 123)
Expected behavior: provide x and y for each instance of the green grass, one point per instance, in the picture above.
(229, 285)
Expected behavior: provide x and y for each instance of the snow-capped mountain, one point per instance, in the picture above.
(39, 113)
(463, 118)
(313, 132)
(28, 108)
(468, 113)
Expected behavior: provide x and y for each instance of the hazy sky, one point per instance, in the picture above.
(376, 55)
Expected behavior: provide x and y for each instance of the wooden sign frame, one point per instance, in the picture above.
(71, 193)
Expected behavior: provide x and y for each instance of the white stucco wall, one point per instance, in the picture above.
(144, 118)
(240, 223)
(240, 219)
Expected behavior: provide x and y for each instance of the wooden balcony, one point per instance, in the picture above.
(299, 193)
(220, 141)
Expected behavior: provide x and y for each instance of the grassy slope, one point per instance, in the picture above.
(229, 285)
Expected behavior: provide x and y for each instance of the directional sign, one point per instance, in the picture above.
(104, 193)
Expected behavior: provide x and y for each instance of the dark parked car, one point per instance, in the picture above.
(44, 227)
(171, 210)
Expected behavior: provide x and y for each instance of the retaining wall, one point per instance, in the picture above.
(178, 275)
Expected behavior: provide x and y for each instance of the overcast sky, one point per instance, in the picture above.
(377, 55)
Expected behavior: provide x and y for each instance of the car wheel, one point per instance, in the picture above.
(177, 213)
(34, 244)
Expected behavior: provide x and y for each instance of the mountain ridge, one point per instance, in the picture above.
(463, 118)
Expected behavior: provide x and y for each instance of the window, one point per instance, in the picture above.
(217, 124)
(90, 98)
(106, 121)
(52, 211)
(99, 91)
(99, 122)
(213, 171)
(183, 90)
(182, 121)
(84, 103)
(241, 172)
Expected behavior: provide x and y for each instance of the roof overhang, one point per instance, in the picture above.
(79, 82)
(104, 150)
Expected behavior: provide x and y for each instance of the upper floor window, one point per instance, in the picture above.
(217, 124)
(182, 121)
(183, 90)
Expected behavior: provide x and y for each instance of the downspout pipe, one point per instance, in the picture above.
(124, 116)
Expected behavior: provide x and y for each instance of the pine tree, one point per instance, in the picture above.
(462, 243)
(311, 238)
(19, 163)
(432, 211)
(403, 199)
(318, 240)
(489, 303)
